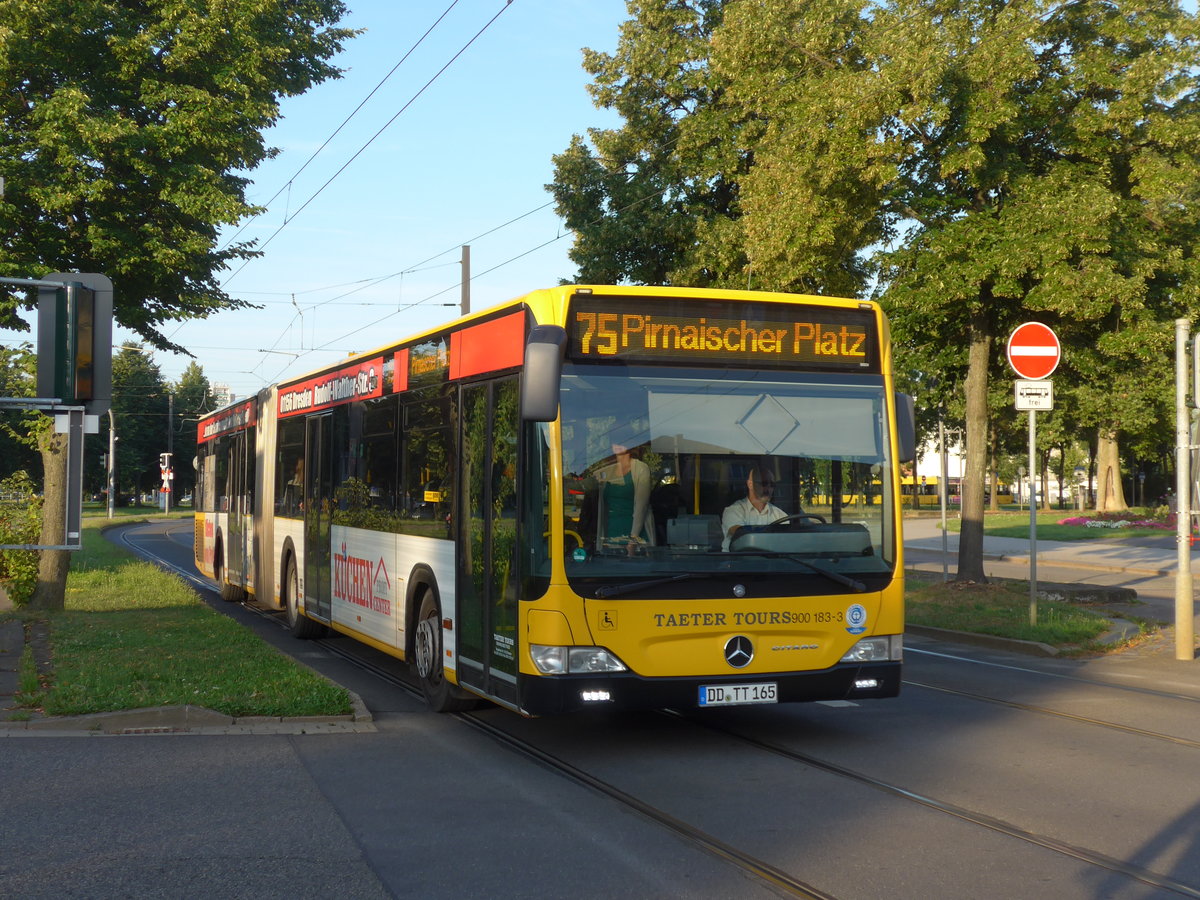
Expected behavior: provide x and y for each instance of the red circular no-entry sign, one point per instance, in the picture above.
(1034, 351)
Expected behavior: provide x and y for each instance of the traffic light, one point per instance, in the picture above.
(75, 340)
(164, 461)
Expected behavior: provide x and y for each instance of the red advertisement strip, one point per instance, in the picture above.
(400, 371)
(235, 418)
(489, 346)
(361, 381)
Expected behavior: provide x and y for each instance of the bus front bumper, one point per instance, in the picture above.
(552, 695)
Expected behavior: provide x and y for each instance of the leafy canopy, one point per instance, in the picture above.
(126, 130)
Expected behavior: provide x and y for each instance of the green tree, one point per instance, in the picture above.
(140, 409)
(126, 130)
(20, 505)
(655, 201)
(987, 162)
(193, 398)
(18, 449)
(126, 134)
(1032, 160)
(661, 199)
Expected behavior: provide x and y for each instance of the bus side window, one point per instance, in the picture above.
(251, 471)
(379, 456)
(221, 451)
(427, 490)
(208, 479)
(289, 492)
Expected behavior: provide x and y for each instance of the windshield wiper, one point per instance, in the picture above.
(616, 590)
(853, 584)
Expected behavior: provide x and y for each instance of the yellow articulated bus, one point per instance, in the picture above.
(587, 497)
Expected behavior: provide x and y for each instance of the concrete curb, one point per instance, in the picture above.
(1049, 560)
(1094, 594)
(1075, 563)
(1030, 648)
(1121, 630)
(189, 720)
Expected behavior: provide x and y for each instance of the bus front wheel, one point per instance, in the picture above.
(440, 694)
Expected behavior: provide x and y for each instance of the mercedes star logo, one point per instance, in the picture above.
(739, 651)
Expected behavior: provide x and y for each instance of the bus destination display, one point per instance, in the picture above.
(761, 335)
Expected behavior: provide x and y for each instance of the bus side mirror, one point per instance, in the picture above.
(545, 349)
(906, 426)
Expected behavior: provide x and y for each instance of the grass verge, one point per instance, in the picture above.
(134, 636)
(1002, 609)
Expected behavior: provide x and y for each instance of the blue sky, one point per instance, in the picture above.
(472, 152)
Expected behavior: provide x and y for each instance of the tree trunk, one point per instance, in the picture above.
(993, 480)
(51, 590)
(1062, 474)
(970, 540)
(1044, 465)
(1110, 492)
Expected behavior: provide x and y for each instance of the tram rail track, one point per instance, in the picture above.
(1058, 714)
(1058, 676)
(765, 871)
(780, 880)
(750, 865)
(983, 820)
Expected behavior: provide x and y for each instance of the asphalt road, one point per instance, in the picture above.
(992, 775)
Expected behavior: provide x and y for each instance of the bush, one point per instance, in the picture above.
(20, 523)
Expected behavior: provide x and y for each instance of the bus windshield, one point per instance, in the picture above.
(777, 478)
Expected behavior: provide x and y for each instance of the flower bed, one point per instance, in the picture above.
(1103, 521)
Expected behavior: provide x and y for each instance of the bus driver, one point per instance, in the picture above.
(755, 509)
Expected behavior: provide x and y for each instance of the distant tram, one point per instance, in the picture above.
(527, 503)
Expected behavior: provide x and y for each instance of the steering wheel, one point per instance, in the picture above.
(797, 517)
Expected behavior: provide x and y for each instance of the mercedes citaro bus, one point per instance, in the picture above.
(527, 503)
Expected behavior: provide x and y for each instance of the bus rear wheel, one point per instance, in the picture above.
(298, 624)
(440, 694)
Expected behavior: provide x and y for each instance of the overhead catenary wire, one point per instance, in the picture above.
(330, 345)
(370, 140)
(288, 184)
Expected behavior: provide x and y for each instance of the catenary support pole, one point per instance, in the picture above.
(1185, 638)
(943, 491)
(170, 450)
(112, 461)
(465, 292)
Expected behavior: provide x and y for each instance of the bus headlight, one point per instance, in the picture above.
(876, 649)
(552, 660)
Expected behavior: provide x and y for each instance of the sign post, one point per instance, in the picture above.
(1033, 353)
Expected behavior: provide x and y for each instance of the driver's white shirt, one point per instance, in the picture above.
(742, 512)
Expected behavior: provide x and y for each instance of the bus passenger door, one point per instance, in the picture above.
(487, 539)
(235, 538)
(318, 510)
